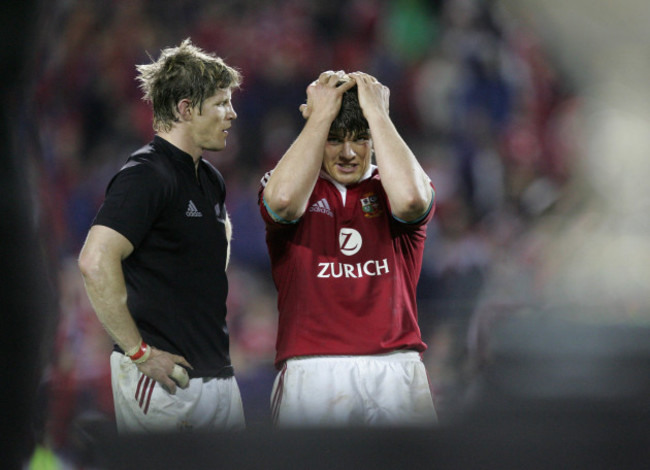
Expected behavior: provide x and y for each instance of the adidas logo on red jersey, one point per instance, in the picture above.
(322, 206)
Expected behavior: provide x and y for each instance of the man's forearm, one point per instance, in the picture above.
(408, 187)
(107, 294)
(294, 178)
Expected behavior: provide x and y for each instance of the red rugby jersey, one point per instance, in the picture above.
(346, 273)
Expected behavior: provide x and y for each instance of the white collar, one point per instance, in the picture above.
(342, 188)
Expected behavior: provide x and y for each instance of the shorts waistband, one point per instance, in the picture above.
(402, 355)
(225, 372)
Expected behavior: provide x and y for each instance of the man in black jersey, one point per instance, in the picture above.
(154, 262)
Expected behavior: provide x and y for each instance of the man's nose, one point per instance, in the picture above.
(347, 150)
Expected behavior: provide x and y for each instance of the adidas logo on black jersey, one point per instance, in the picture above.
(192, 211)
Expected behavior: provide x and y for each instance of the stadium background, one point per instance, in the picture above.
(495, 98)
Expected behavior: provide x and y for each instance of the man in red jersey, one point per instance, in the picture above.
(346, 238)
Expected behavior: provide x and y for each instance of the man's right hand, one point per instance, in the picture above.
(324, 97)
(161, 366)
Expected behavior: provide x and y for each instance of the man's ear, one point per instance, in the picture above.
(184, 109)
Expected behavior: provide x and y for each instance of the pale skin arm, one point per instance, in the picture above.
(100, 262)
(408, 188)
(293, 179)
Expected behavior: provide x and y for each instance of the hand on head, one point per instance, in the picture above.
(324, 94)
(373, 96)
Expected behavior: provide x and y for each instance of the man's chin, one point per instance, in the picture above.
(347, 179)
(215, 148)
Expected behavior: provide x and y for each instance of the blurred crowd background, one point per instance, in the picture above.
(492, 118)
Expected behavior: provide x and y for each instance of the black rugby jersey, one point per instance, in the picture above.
(175, 277)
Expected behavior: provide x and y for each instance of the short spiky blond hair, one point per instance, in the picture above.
(183, 72)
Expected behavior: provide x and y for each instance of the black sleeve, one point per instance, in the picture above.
(134, 198)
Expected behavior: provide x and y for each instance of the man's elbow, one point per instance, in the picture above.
(412, 208)
(89, 265)
(281, 206)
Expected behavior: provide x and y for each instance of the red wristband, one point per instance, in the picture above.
(140, 352)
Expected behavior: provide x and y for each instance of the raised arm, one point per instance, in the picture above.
(100, 262)
(408, 187)
(292, 181)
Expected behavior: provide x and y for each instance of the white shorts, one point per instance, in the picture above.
(379, 390)
(143, 405)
